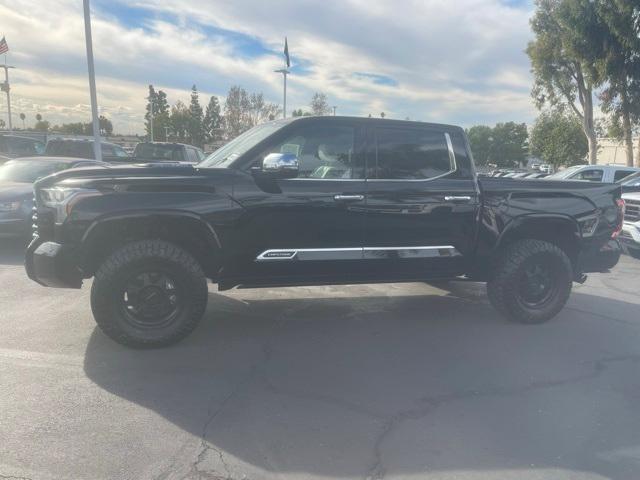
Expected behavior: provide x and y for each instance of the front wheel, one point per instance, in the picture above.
(148, 294)
(531, 282)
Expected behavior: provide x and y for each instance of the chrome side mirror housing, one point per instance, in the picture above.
(280, 165)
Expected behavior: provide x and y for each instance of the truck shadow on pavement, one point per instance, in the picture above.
(372, 384)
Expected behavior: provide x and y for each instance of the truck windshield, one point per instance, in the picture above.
(157, 151)
(225, 155)
(631, 180)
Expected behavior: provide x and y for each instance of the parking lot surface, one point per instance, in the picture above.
(350, 382)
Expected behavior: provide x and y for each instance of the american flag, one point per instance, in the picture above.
(4, 48)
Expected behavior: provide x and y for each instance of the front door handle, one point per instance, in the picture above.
(457, 198)
(348, 198)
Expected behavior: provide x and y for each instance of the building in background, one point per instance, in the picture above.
(613, 152)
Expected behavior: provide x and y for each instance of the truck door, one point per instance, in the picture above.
(310, 227)
(422, 202)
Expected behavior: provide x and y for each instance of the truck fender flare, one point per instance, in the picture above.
(211, 234)
(524, 221)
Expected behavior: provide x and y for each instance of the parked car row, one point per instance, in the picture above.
(14, 146)
(586, 173)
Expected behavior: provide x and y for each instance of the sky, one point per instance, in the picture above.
(450, 61)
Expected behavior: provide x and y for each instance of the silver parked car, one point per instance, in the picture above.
(594, 173)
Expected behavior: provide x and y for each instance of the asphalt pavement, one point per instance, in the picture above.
(409, 381)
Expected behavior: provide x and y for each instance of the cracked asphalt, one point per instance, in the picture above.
(410, 381)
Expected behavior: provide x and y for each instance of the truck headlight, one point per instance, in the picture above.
(63, 199)
(9, 206)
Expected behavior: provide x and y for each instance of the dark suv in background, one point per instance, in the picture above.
(82, 148)
(167, 152)
(12, 146)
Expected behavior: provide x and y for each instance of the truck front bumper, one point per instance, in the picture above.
(599, 259)
(52, 265)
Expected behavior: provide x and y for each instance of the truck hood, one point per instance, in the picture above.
(631, 196)
(12, 191)
(138, 176)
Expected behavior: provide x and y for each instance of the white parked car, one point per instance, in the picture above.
(594, 173)
(630, 235)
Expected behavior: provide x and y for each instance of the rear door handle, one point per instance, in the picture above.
(457, 198)
(348, 198)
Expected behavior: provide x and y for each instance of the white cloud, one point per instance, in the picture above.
(455, 61)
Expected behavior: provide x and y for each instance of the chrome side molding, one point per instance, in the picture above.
(366, 253)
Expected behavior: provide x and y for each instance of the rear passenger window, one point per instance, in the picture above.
(410, 154)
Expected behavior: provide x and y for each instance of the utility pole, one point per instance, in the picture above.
(97, 147)
(334, 110)
(6, 88)
(284, 72)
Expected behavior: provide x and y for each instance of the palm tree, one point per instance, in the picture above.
(22, 117)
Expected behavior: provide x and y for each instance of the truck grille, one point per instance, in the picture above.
(42, 221)
(34, 218)
(632, 211)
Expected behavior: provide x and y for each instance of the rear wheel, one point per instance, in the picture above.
(148, 294)
(531, 282)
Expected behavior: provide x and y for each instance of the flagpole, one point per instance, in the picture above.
(7, 89)
(97, 148)
(285, 71)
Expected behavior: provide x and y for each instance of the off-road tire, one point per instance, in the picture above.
(507, 270)
(150, 255)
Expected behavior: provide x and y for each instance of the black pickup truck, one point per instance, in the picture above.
(315, 201)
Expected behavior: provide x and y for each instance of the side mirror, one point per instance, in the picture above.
(280, 165)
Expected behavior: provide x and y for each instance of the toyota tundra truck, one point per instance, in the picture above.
(315, 201)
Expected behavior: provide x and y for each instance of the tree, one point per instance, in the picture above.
(38, 117)
(161, 112)
(509, 146)
(196, 127)
(179, 121)
(261, 111)
(106, 127)
(558, 139)
(563, 56)
(22, 117)
(212, 121)
(320, 104)
(236, 112)
(150, 111)
(480, 138)
(300, 113)
(2, 124)
(42, 125)
(620, 64)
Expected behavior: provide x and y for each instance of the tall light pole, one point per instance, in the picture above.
(284, 72)
(97, 148)
(6, 88)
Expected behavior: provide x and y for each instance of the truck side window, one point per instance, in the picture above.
(410, 154)
(591, 175)
(323, 152)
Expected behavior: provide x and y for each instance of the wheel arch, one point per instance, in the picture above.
(560, 230)
(185, 229)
